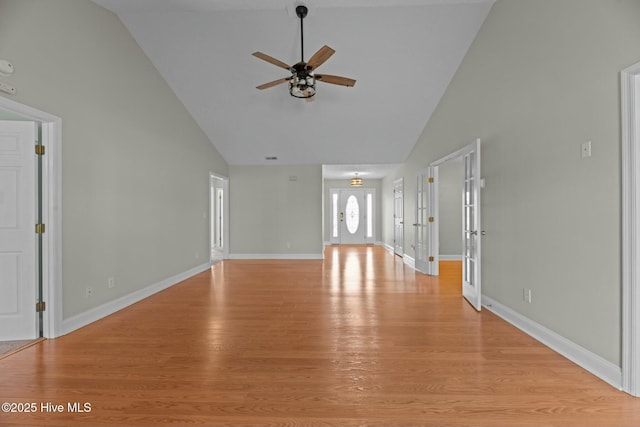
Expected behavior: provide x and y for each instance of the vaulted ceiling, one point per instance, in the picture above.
(402, 53)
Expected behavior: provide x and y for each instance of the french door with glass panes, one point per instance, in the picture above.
(398, 217)
(352, 216)
(425, 227)
(471, 233)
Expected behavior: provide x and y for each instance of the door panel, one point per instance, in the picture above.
(17, 231)
(424, 227)
(352, 217)
(471, 233)
(398, 217)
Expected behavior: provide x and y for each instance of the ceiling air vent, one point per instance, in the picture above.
(271, 158)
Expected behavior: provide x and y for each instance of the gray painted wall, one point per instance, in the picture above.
(450, 175)
(273, 215)
(135, 178)
(541, 78)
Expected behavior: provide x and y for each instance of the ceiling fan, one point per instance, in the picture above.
(302, 82)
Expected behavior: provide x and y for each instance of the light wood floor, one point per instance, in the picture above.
(358, 339)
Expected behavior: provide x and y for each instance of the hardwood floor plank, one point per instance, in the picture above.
(356, 339)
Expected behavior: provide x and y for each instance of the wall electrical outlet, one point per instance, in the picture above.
(585, 149)
(526, 295)
(111, 282)
(88, 292)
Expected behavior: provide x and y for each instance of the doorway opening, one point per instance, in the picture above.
(218, 214)
(45, 244)
(428, 220)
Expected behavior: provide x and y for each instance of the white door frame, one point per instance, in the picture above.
(630, 88)
(435, 191)
(51, 211)
(225, 212)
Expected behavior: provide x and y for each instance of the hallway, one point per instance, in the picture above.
(356, 339)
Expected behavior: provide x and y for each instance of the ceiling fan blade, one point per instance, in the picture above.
(320, 57)
(271, 60)
(336, 80)
(273, 83)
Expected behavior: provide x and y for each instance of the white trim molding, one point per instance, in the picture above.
(584, 358)
(450, 257)
(409, 260)
(104, 310)
(630, 97)
(276, 256)
(389, 248)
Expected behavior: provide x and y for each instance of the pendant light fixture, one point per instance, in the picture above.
(356, 181)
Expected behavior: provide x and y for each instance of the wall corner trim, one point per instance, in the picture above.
(85, 318)
(582, 357)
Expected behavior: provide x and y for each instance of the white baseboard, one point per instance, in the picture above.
(276, 256)
(389, 248)
(579, 355)
(104, 310)
(450, 257)
(410, 261)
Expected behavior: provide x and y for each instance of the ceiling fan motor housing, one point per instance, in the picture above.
(301, 11)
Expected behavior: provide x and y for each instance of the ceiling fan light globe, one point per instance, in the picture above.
(302, 86)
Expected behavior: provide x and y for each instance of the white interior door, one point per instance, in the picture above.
(217, 215)
(17, 231)
(425, 260)
(353, 221)
(398, 217)
(471, 234)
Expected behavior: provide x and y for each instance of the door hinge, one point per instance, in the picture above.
(40, 150)
(431, 180)
(40, 228)
(41, 306)
(431, 219)
(431, 259)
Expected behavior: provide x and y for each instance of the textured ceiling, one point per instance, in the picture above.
(403, 55)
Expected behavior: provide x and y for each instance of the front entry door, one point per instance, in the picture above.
(18, 318)
(352, 217)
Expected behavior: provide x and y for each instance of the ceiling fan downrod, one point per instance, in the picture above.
(301, 11)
